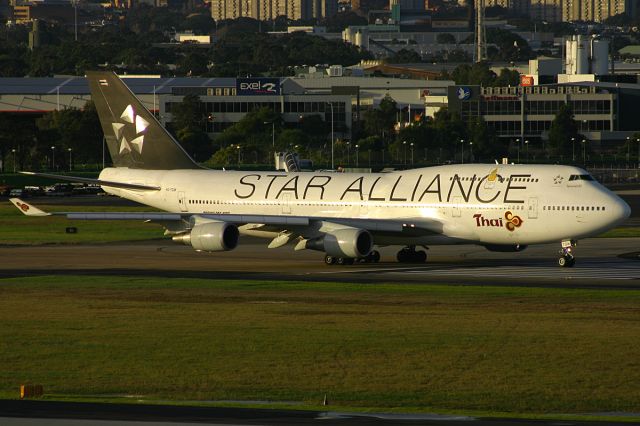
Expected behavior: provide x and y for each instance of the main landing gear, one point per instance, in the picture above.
(567, 259)
(373, 257)
(409, 254)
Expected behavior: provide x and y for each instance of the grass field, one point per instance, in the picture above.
(17, 228)
(380, 347)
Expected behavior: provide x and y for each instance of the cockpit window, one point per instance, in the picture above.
(580, 177)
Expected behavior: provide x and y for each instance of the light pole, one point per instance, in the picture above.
(238, 148)
(404, 147)
(53, 158)
(69, 149)
(332, 135)
(526, 148)
(461, 151)
(573, 149)
(349, 153)
(470, 151)
(273, 133)
(411, 153)
(628, 146)
(584, 151)
(638, 142)
(518, 148)
(75, 18)
(13, 151)
(357, 155)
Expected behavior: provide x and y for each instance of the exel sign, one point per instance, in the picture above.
(257, 86)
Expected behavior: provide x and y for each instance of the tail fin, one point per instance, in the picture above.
(134, 136)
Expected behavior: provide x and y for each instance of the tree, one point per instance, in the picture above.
(507, 77)
(199, 23)
(511, 47)
(290, 138)
(380, 121)
(478, 73)
(188, 113)
(404, 56)
(342, 20)
(446, 38)
(188, 119)
(563, 132)
(486, 144)
(71, 128)
(253, 134)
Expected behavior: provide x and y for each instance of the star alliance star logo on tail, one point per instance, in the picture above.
(130, 118)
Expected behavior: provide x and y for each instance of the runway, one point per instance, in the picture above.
(31, 413)
(602, 263)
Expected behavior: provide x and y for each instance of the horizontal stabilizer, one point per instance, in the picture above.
(27, 208)
(108, 183)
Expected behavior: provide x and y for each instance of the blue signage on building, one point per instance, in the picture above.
(257, 86)
(464, 93)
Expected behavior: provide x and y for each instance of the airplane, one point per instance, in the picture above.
(502, 207)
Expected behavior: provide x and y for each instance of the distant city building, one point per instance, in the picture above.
(408, 4)
(267, 10)
(566, 10)
(594, 10)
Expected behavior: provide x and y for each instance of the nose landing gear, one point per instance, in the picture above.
(567, 259)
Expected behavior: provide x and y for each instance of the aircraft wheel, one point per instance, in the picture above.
(329, 260)
(421, 256)
(566, 261)
(375, 256)
(404, 255)
(344, 261)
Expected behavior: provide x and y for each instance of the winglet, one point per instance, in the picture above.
(27, 208)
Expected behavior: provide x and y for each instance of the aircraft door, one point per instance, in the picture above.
(533, 208)
(455, 207)
(182, 202)
(286, 203)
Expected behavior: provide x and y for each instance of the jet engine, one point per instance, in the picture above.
(504, 248)
(211, 236)
(345, 242)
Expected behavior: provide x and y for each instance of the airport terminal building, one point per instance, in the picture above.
(604, 111)
(228, 100)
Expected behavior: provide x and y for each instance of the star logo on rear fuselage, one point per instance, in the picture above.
(558, 180)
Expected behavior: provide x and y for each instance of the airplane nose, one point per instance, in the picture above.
(621, 209)
(626, 210)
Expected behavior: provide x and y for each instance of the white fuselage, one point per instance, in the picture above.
(475, 203)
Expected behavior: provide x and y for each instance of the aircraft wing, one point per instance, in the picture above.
(111, 184)
(299, 225)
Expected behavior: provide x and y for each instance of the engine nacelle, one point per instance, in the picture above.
(505, 248)
(346, 242)
(211, 236)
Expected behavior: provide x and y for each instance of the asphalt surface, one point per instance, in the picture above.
(601, 263)
(22, 413)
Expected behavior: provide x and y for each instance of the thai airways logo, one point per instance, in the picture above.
(510, 221)
(24, 207)
(130, 117)
(464, 93)
(513, 221)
